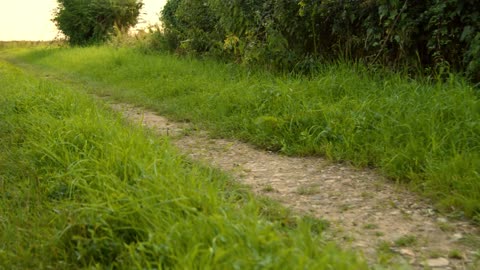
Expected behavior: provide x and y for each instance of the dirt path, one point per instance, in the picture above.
(366, 212)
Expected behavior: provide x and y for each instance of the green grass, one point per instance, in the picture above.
(426, 134)
(81, 190)
(406, 241)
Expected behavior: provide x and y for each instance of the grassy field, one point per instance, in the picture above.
(426, 134)
(81, 189)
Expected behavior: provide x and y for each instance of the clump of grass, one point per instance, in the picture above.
(370, 226)
(455, 254)
(78, 189)
(446, 226)
(406, 241)
(268, 188)
(308, 190)
(385, 252)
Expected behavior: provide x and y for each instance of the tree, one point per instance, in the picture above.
(86, 22)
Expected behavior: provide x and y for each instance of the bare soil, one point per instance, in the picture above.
(367, 212)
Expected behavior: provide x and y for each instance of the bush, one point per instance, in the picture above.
(190, 26)
(285, 34)
(91, 21)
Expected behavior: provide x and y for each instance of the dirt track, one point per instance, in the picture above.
(367, 212)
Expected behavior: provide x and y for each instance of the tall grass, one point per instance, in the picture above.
(79, 189)
(423, 133)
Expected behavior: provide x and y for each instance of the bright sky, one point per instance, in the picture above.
(31, 19)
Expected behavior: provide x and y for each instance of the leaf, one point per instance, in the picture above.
(397, 38)
(467, 32)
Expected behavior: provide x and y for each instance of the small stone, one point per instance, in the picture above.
(430, 211)
(407, 252)
(457, 236)
(442, 220)
(437, 262)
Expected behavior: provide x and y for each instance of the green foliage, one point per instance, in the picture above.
(190, 26)
(454, 26)
(294, 35)
(80, 190)
(91, 21)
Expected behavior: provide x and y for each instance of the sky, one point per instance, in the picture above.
(31, 19)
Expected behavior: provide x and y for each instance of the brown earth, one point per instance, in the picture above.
(367, 212)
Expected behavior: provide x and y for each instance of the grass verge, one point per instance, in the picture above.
(426, 134)
(79, 189)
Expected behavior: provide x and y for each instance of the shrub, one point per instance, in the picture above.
(190, 26)
(285, 34)
(91, 21)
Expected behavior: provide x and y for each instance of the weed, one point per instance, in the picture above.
(385, 247)
(471, 240)
(268, 188)
(345, 207)
(446, 227)
(385, 253)
(455, 254)
(367, 195)
(406, 241)
(370, 226)
(435, 253)
(308, 190)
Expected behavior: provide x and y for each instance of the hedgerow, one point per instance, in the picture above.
(433, 35)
